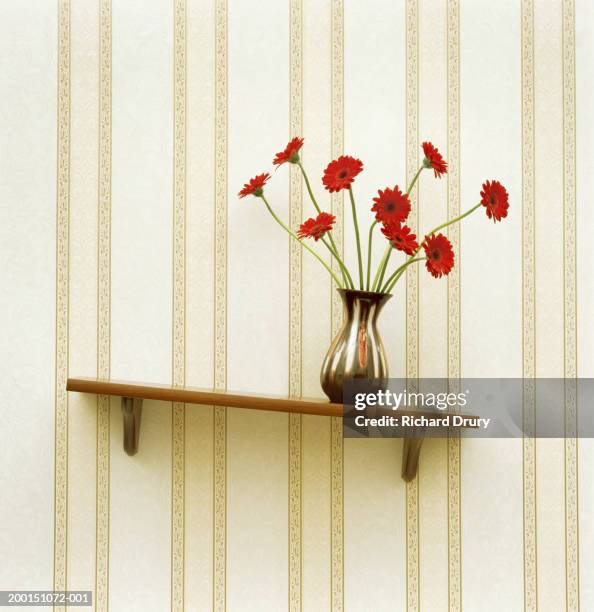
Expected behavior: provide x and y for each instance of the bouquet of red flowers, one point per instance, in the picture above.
(391, 208)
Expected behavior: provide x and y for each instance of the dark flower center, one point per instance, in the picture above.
(390, 206)
(398, 238)
(492, 201)
(342, 174)
(435, 254)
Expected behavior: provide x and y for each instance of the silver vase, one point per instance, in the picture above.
(357, 350)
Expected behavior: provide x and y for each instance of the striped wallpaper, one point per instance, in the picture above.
(131, 126)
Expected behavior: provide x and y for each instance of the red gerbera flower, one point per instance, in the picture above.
(440, 255)
(391, 205)
(495, 199)
(433, 159)
(291, 152)
(255, 186)
(341, 172)
(316, 228)
(401, 237)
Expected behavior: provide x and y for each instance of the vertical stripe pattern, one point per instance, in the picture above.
(62, 299)
(453, 195)
(295, 517)
(295, 302)
(412, 290)
(337, 145)
(336, 435)
(220, 310)
(528, 308)
(570, 308)
(337, 501)
(103, 307)
(179, 305)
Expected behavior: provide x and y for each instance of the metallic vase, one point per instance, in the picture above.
(357, 351)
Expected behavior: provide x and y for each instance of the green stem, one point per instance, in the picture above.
(319, 210)
(305, 246)
(380, 267)
(369, 253)
(450, 222)
(357, 237)
(415, 177)
(345, 273)
(381, 278)
(398, 273)
(309, 190)
(468, 212)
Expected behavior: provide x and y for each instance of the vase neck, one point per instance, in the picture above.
(362, 304)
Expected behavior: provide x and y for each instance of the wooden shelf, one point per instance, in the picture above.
(193, 395)
(132, 394)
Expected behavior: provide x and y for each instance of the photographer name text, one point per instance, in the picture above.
(405, 420)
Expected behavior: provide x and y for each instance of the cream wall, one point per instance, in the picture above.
(127, 128)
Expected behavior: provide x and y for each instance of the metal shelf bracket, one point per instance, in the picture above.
(131, 411)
